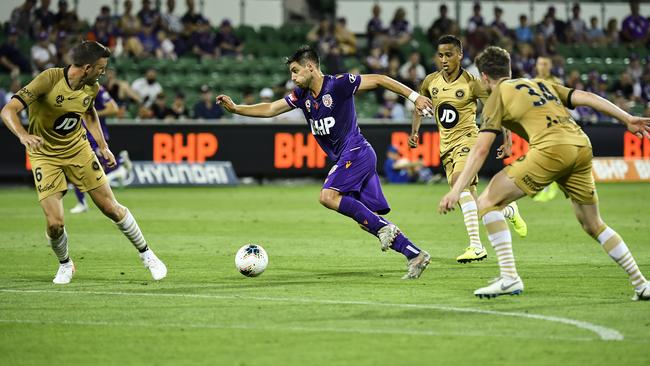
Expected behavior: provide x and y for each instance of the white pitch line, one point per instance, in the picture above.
(279, 328)
(604, 333)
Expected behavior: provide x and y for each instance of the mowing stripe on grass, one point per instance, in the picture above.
(604, 333)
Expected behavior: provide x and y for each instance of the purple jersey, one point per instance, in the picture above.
(331, 114)
(102, 98)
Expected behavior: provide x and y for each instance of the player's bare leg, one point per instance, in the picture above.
(614, 246)
(500, 192)
(57, 237)
(388, 234)
(106, 202)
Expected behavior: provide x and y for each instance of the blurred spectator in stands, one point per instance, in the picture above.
(476, 20)
(523, 61)
(11, 58)
(227, 42)
(377, 61)
(167, 48)
(147, 87)
(130, 27)
(149, 15)
(296, 113)
(440, 26)
(149, 41)
(412, 79)
(21, 18)
(111, 21)
(182, 41)
(102, 33)
(559, 27)
(498, 24)
(591, 85)
(179, 108)
(121, 92)
(577, 27)
(400, 170)
(547, 27)
(621, 101)
(612, 34)
(333, 60)
(44, 17)
(346, 40)
(159, 109)
(573, 79)
(390, 108)
(594, 35)
(191, 18)
(204, 41)
(635, 69)
(399, 31)
(523, 33)
(393, 67)
(645, 87)
(65, 19)
(375, 31)
(43, 53)
(5, 96)
(625, 86)
(323, 35)
(543, 67)
(63, 45)
(635, 29)
(477, 37)
(413, 61)
(170, 21)
(206, 108)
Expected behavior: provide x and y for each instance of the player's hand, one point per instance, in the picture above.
(32, 142)
(414, 139)
(424, 106)
(504, 151)
(639, 126)
(448, 202)
(108, 155)
(226, 102)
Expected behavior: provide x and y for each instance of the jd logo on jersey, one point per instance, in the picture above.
(447, 115)
(66, 123)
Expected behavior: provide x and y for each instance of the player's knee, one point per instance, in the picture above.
(55, 228)
(113, 210)
(327, 199)
(591, 227)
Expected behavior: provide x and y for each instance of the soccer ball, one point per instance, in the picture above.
(251, 260)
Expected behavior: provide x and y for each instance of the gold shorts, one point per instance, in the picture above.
(568, 165)
(51, 175)
(455, 159)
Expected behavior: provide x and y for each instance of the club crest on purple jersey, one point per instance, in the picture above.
(327, 100)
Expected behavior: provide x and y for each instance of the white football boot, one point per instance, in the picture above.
(643, 293)
(156, 266)
(64, 274)
(79, 208)
(387, 235)
(417, 265)
(501, 286)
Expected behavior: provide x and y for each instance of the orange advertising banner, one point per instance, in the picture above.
(621, 170)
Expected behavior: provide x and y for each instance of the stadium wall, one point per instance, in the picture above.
(283, 150)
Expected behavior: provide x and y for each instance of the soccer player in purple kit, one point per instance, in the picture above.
(352, 186)
(106, 107)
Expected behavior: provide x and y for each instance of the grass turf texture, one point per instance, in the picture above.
(322, 299)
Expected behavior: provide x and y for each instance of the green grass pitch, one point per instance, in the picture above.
(329, 295)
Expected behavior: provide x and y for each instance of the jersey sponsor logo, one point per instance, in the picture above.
(327, 101)
(352, 78)
(66, 123)
(447, 115)
(322, 126)
(460, 93)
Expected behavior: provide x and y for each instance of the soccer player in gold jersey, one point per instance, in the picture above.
(559, 151)
(454, 93)
(57, 100)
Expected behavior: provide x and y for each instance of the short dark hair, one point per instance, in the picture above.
(302, 54)
(88, 52)
(451, 39)
(494, 62)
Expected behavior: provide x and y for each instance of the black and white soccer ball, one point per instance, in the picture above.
(251, 260)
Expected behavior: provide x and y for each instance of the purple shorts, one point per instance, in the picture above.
(355, 174)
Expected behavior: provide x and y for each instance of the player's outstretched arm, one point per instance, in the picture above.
(414, 138)
(95, 129)
(256, 110)
(10, 117)
(373, 81)
(637, 125)
(475, 161)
